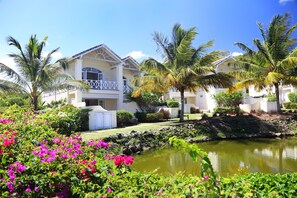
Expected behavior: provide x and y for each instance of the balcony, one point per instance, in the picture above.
(102, 85)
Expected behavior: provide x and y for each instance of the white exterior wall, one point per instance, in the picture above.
(130, 106)
(52, 96)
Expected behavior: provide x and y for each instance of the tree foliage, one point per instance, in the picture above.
(34, 72)
(184, 67)
(274, 62)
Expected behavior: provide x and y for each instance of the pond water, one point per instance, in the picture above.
(227, 157)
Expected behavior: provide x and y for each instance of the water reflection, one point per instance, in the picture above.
(227, 157)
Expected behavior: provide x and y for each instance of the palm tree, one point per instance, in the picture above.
(184, 68)
(36, 73)
(275, 61)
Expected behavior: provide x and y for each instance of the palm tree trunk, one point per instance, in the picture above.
(35, 103)
(276, 85)
(182, 109)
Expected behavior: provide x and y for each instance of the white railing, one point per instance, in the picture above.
(102, 85)
(127, 89)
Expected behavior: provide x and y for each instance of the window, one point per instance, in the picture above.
(90, 73)
(125, 82)
(93, 102)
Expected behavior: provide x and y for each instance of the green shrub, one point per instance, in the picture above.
(141, 116)
(290, 105)
(19, 99)
(154, 117)
(83, 119)
(293, 105)
(228, 100)
(124, 118)
(67, 119)
(293, 97)
(148, 117)
(194, 110)
(146, 102)
(226, 110)
(271, 97)
(172, 103)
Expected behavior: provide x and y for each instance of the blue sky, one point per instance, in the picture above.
(127, 26)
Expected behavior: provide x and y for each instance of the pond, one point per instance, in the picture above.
(227, 157)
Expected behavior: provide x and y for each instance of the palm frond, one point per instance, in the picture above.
(273, 77)
(244, 48)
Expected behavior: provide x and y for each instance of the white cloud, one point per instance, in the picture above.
(236, 53)
(56, 55)
(8, 62)
(138, 55)
(284, 1)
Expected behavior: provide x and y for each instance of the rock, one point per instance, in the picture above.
(278, 134)
(127, 151)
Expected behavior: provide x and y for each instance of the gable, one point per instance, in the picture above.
(100, 53)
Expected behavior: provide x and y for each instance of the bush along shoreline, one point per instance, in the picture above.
(207, 129)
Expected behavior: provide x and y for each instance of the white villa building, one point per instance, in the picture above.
(108, 75)
(253, 101)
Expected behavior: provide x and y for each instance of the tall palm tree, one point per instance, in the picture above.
(35, 73)
(184, 68)
(275, 61)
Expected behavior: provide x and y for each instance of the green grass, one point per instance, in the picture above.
(99, 134)
(126, 130)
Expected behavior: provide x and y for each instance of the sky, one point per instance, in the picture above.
(127, 26)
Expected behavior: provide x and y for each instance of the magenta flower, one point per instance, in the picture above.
(109, 190)
(128, 160)
(10, 186)
(36, 189)
(206, 178)
(160, 192)
(28, 190)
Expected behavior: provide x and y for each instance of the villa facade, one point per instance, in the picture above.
(108, 75)
(204, 100)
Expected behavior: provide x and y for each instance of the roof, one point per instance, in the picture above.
(222, 60)
(128, 60)
(131, 60)
(112, 53)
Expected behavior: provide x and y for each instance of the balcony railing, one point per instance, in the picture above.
(102, 85)
(127, 89)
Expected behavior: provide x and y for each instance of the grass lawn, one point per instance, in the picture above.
(140, 127)
(98, 134)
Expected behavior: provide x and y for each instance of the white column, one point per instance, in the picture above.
(119, 77)
(78, 76)
(78, 69)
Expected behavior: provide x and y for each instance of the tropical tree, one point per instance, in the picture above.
(274, 62)
(184, 67)
(34, 72)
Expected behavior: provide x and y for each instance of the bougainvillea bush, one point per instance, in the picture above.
(36, 161)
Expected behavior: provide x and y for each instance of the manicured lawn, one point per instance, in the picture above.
(140, 127)
(88, 135)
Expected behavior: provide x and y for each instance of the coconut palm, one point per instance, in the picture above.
(275, 61)
(35, 73)
(184, 68)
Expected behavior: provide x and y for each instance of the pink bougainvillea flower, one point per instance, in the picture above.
(109, 190)
(128, 160)
(28, 189)
(160, 192)
(206, 178)
(118, 160)
(1, 152)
